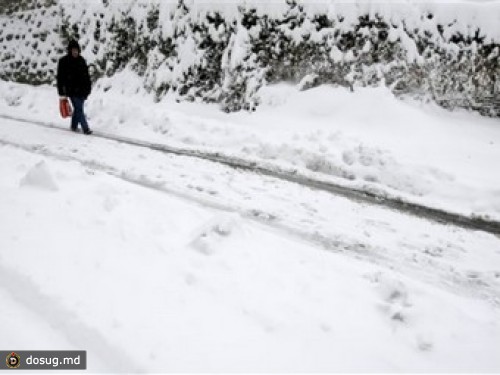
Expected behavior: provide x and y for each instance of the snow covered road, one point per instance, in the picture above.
(99, 264)
(366, 141)
(370, 196)
(96, 262)
(443, 255)
(119, 249)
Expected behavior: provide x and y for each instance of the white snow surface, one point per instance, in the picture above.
(118, 269)
(120, 250)
(367, 140)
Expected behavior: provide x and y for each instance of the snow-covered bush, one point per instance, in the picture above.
(243, 72)
(224, 52)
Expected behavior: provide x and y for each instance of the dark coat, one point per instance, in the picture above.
(73, 79)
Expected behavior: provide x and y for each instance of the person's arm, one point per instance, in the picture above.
(61, 84)
(86, 79)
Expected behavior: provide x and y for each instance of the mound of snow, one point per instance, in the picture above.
(39, 176)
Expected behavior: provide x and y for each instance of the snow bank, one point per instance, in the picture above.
(367, 140)
(224, 52)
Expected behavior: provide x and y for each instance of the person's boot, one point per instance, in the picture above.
(87, 132)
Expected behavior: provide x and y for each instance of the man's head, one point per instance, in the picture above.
(74, 49)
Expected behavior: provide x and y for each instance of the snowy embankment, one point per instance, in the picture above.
(225, 52)
(93, 262)
(366, 140)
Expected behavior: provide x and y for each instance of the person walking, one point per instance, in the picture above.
(73, 82)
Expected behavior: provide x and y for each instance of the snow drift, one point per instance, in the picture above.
(224, 52)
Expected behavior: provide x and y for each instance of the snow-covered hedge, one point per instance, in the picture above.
(224, 52)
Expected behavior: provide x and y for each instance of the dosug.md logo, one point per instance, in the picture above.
(13, 360)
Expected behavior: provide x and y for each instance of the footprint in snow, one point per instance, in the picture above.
(394, 297)
(395, 304)
(206, 239)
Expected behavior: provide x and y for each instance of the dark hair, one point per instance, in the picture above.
(73, 44)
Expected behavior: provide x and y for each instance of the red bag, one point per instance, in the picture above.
(65, 108)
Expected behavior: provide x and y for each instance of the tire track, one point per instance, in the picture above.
(362, 196)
